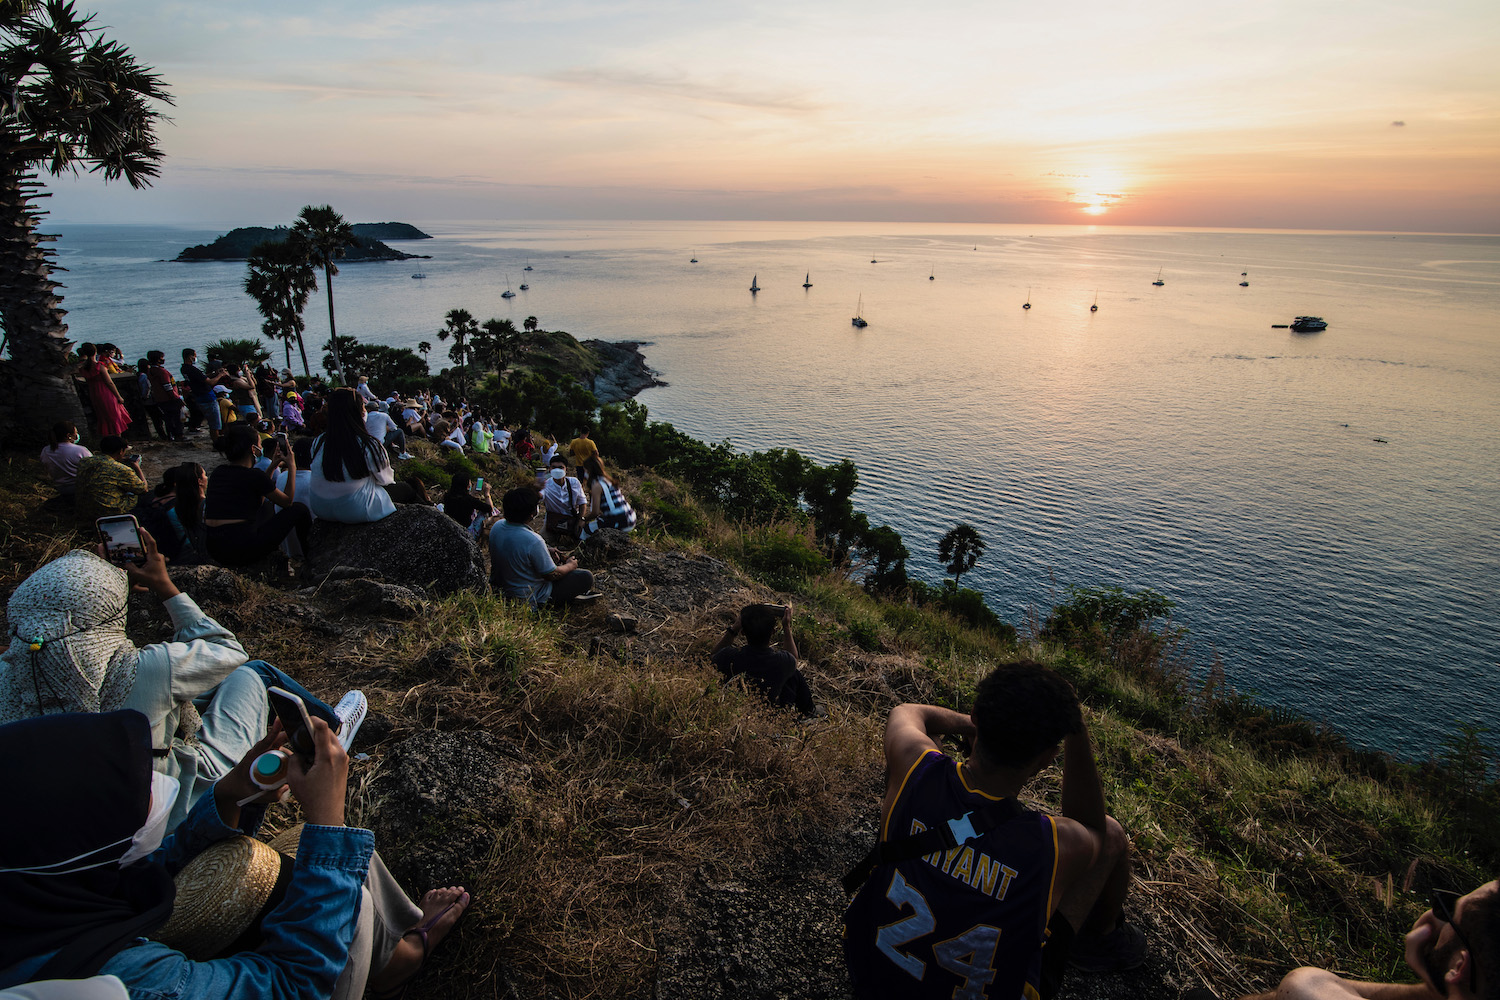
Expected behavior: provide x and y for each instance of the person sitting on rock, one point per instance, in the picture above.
(108, 483)
(352, 481)
(607, 505)
(89, 878)
(959, 859)
(61, 457)
(564, 501)
(772, 672)
(461, 503)
(1454, 948)
(523, 566)
(384, 429)
(190, 486)
(236, 535)
(204, 698)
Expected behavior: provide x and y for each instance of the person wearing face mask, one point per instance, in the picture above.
(565, 502)
(233, 499)
(1454, 948)
(61, 456)
(87, 887)
(204, 698)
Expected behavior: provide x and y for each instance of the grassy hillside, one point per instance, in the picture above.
(1263, 842)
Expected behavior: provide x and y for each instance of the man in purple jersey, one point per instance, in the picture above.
(968, 887)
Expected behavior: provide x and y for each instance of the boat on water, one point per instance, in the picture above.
(807, 280)
(1095, 307)
(524, 286)
(1027, 303)
(859, 320)
(693, 261)
(1158, 282)
(419, 274)
(507, 294)
(932, 276)
(528, 266)
(755, 283)
(1309, 324)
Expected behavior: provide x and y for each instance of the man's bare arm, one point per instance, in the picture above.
(910, 732)
(1320, 984)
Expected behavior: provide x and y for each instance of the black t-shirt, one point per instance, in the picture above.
(461, 507)
(773, 672)
(196, 380)
(235, 493)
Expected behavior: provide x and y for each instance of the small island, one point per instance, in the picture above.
(238, 244)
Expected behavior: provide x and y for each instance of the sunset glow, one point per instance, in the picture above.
(1281, 115)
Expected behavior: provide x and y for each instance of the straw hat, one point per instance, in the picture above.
(225, 892)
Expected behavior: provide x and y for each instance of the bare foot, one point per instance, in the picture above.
(441, 909)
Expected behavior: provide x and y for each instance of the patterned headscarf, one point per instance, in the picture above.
(68, 651)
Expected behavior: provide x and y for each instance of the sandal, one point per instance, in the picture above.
(422, 930)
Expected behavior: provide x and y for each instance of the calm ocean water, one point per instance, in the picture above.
(1171, 440)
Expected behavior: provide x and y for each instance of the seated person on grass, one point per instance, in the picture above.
(772, 672)
(236, 534)
(61, 457)
(463, 505)
(1454, 948)
(967, 885)
(565, 502)
(107, 483)
(523, 566)
(383, 428)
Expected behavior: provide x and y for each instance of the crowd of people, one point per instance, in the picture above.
(294, 454)
(143, 761)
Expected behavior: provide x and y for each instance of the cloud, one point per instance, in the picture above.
(1399, 124)
(684, 88)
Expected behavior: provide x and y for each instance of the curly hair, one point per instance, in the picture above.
(1021, 710)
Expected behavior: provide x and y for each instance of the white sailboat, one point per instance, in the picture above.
(755, 283)
(858, 320)
(807, 281)
(507, 294)
(1027, 303)
(1095, 307)
(1158, 282)
(528, 264)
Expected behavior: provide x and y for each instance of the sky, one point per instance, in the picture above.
(1296, 115)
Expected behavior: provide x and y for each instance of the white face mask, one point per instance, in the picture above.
(164, 789)
(559, 474)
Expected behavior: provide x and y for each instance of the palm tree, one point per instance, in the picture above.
(69, 99)
(280, 280)
(499, 345)
(322, 236)
(960, 550)
(424, 348)
(529, 324)
(460, 325)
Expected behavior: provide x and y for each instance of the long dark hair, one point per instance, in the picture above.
(237, 441)
(62, 431)
(189, 504)
(346, 443)
(594, 469)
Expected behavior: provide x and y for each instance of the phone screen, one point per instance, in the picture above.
(121, 536)
(295, 722)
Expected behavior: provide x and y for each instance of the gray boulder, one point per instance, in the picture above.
(414, 547)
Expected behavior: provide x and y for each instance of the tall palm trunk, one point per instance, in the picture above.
(38, 387)
(333, 334)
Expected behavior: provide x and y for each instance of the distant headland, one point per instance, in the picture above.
(237, 244)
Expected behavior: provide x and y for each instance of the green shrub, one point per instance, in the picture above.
(781, 556)
(428, 473)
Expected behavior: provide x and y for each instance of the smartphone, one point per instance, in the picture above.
(479, 486)
(121, 535)
(281, 441)
(295, 722)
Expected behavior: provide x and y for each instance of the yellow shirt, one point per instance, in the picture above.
(582, 449)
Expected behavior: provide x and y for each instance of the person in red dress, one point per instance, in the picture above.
(109, 406)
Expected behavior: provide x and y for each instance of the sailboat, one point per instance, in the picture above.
(1246, 282)
(524, 286)
(932, 276)
(1027, 303)
(1158, 282)
(507, 294)
(755, 284)
(695, 258)
(528, 264)
(1095, 307)
(858, 320)
(807, 280)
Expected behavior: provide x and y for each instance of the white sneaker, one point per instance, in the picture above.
(404, 455)
(351, 711)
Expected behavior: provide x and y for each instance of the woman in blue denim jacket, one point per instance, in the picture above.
(83, 880)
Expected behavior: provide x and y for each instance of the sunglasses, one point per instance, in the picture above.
(1443, 902)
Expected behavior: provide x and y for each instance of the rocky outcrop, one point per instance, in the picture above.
(414, 547)
(440, 799)
(624, 372)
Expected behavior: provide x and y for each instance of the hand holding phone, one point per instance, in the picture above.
(121, 540)
(291, 711)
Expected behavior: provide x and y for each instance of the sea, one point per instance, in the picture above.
(1323, 508)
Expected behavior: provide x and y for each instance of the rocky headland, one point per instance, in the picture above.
(238, 244)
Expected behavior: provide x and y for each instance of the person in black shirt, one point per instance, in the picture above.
(232, 502)
(772, 672)
(201, 392)
(461, 504)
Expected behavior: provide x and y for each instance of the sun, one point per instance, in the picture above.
(1105, 189)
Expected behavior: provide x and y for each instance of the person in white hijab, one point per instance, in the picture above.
(69, 653)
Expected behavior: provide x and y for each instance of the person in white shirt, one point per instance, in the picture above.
(564, 500)
(61, 457)
(364, 390)
(385, 430)
(501, 442)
